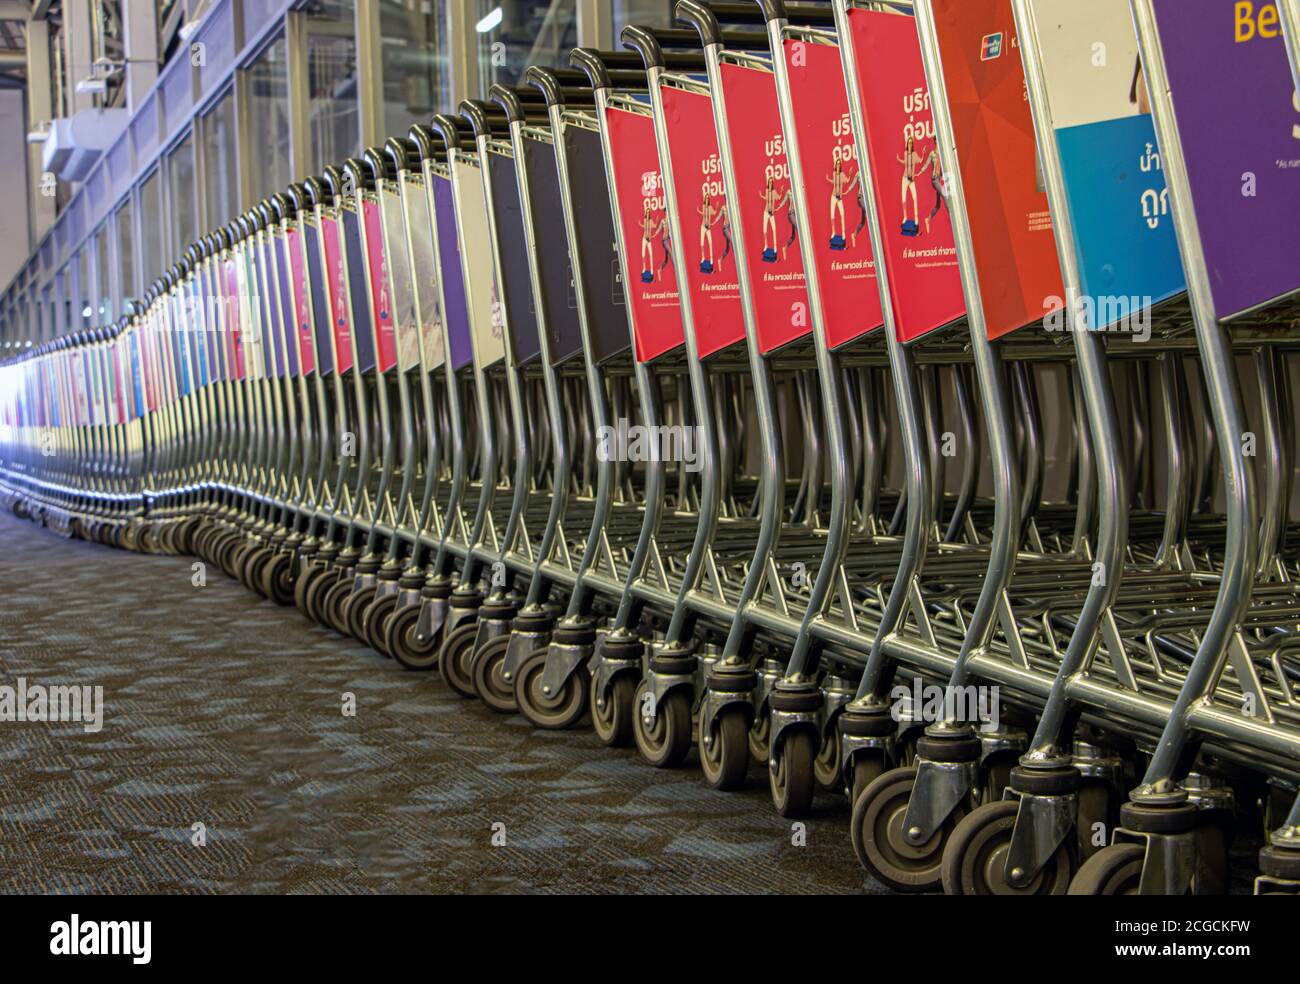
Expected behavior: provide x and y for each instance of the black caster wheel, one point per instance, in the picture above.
(251, 565)
(148, 542)
(556, 711)
(1097, 816)
(724, 754)
(760, 737)
(167, 539)
(405, 645)
(826, 766)
(790, 769)
(878, 837)
(333, 604)
(354, 611)
(183, 538)
(974, 860)
(454, 660)
(276, 579)
(1114, 870)
(316, 593)
(230, 554)
(374, 622)
(612, 716)
(492, 688)
(866, 770)
(305, 580)
(665, 741)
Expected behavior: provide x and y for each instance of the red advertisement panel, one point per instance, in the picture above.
(232, 318)
(710, 259)
(651, 280)
(836, 213)
(775, 264)
(334, 274)
(380, 292)
(301, 312)
(910, 187)
(1002, 180)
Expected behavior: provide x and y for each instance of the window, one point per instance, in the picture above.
(180, 185)
(151, 224)
(331, 57)
(413, 63)
(126, 252)
(220, 156)
(267, 84)
(104, 309)
(646, 13)
(514, 34)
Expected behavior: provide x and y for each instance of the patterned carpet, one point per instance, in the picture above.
(223, 710)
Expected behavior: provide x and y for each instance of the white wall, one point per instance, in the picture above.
(15, 244)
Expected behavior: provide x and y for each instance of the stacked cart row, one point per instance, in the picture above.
(894, 396)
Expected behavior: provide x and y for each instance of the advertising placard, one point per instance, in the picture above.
(1114, 184)
(910, 191)
(454, 306)
(837, 214)
(772, 253)
(652, 278)
(1006, 203)
(480, 272)
(1239, 126)
(710, 257)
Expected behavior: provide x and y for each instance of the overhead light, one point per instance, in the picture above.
(92, 87)
(490, 21)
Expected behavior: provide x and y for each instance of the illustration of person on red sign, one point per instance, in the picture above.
(841, 184)
(650, 227)
(911, 161)
(709, 214)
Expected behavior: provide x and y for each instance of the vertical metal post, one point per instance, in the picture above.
(77, 56)
(140, 37)
(370, 73)
(295, 40)
(595, 24)
(462, 54)
(40, 109)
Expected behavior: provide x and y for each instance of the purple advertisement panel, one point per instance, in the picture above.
(453, 277)
(1239, 124)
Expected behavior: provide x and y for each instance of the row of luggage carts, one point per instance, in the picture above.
(799, 386)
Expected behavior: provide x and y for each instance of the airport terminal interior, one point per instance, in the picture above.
(649, 446)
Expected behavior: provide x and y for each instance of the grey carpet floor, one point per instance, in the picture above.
(223, 710)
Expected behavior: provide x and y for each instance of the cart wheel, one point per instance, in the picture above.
(277, 581)
(1096, 806)
(790, 770)
(303, 585)
(374, 622)
(231, 553)
(826, 766)
(354, 610)
(877, 834)
(251, 566)
(760, 737)
(974, 861)
(316, 593)
(665, 741)
(486, 666)
(557, 711)
(454, 660)
(333, 602)
(997, 777)
(613, 720)
(146, 542)
(410, 651)
(867, 768)
(1114, 870)
(724, 759)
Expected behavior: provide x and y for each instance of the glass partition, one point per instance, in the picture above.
(332, 107)
(220, 154)
(268, 121)
(184, 225)
(413, 62)
(514, 34)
